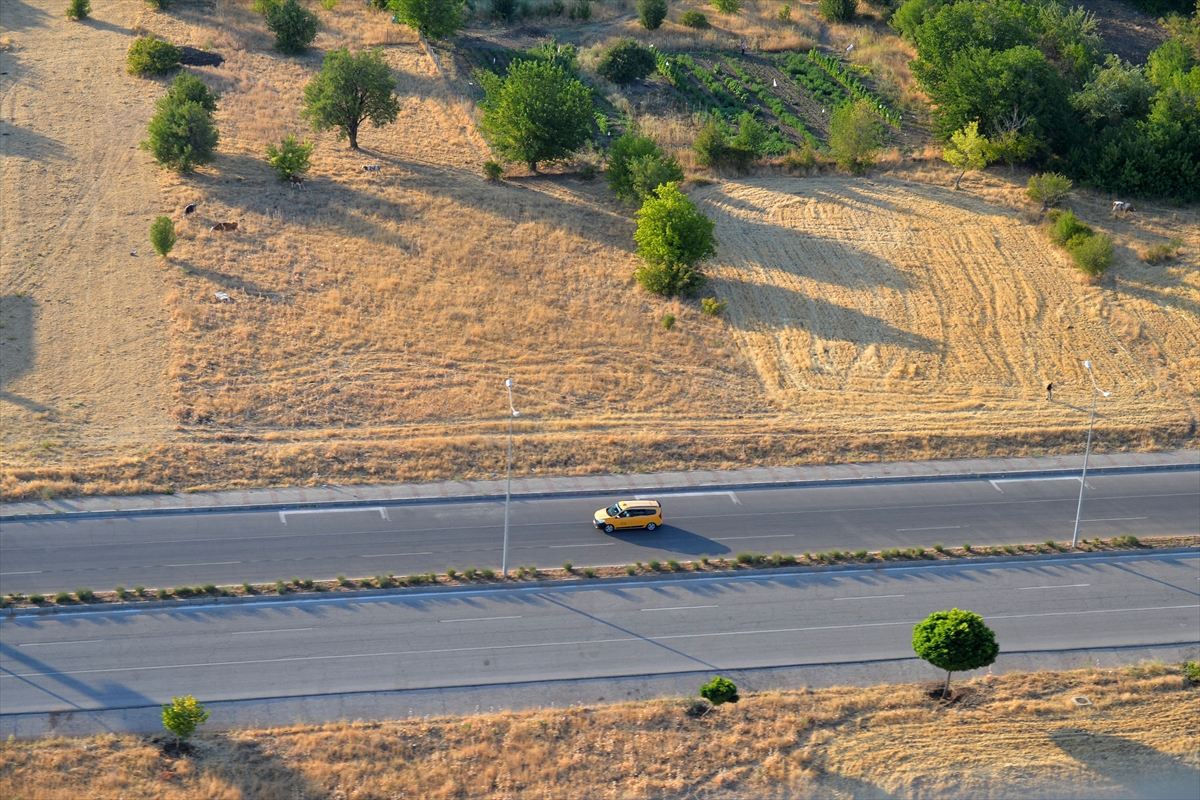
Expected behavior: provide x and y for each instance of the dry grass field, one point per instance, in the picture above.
(1016, 736)
(375, 316)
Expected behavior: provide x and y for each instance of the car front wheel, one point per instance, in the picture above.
(608, 528)
(650, 526)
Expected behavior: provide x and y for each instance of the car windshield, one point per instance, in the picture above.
(612, 511)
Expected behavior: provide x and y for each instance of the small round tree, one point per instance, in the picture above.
(182, 716)
(79, 9)
(854, 136)
(955, 641)
(637, 166)
(537, 113)
(290, 157)
(433, 19)
(350, 89)
(672, 237)
(967, 150)
(149, 55)
(838, 10)
(651, 13)
(294, 26)
(694, 19)
(162, 235)
(1048, 188)
(719, 691)
(626, 62)
(182, 136)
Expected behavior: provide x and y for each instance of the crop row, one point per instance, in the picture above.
(814, 79)
(772, 102)
(850, 81)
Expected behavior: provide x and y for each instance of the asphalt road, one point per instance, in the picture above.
(230, 548)
(96, 660)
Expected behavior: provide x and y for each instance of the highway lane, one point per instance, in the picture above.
(229, 548)
(96, 660)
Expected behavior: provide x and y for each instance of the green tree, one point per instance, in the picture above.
(637, 166)
(537, 114)
(149, 55)
(751, 136)
(162, 235)
(838, 10)
(712, 143)
(182, 135)
(854, 136)
(967, 150)
(350, 89)
(1115, 92)
(626, 62)
(433, 19)
(1048, 188)
(651, 13)
(79, 9)
(294, 26)
(719, 691)
(955, 641)
(672, 237)
(183, 715)
(290, 157)
(187, 88)
(727, 6)
(694, 19)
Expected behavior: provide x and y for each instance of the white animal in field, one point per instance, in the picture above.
(372, 167)
(1121, 208)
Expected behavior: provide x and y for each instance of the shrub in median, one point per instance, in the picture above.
(85, 595)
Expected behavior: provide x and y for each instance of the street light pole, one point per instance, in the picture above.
(1086, 451)
(508, 481)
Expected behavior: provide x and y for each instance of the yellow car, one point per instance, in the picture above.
(629, 514)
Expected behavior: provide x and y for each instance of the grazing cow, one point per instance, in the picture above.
(189, 209)
(371, 167)
(1121, 209)
(225, 226)
(297, 181)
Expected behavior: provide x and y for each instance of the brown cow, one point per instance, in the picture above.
(297, 181)
(225, 226)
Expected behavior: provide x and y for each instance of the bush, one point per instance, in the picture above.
(637, 166)
(488, 573)
(36, 598)
(654, 564)
(1048, 188)
(162, 594)
(79, 9)
(149, 55)
(469, 573)
(504, 10)
(803, 157)
(673, 565)
(651, 13)
(183, 715)
(120, 592)
(183, 591)
(694, 19)
(1162, 251)
(294, 27)
(854, 136)
(182, 134)
(745, 558)
(713, 307)
(581, 10)
(1192, 670)
(158, 5)
(630, 570)
(1093, 255)
(162, 235)
(588, 172)
(626, 62)
(719, 691)
(493, 170)
(589, 572)
(672, 236)
(85, 595)
(62, 597)
(568, 566)
(785, 14)
(727, 6)
(1065, 226)
(290, 157)
(668, 321)
(838, 10)
(248, 589)
(280, 587)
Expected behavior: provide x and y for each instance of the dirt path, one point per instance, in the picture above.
(85, 331)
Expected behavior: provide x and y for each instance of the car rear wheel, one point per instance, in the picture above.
(650, 526)
(608, 528)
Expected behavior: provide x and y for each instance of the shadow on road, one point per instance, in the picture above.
(674, 539)
(1146, 772)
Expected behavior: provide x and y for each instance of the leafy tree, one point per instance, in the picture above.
(694, 19)
(1048, 188)
(433, 19)
(715, 147)
(955, 641)
(537, 114)
(79, 9)
(350, 89)
(651, 13)
(967, 150)
(183, 715)
(626, 62)
(187, 88)
(994, 25)
(294, 26)
(1115, 92)
(149, 55)
(182, 135)
(672, 237)
(290, 158)
(712, 143)
(854, 136)
(162, 235)
(564, 56)
(838, 10)
(727, 6)
(719, 691)
(751, 136)
(634, 162)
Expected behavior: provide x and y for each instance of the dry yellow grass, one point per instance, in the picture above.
(375, 315)
(1015, 736)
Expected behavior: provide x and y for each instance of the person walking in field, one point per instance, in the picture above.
(743, 48)
(1050, 391)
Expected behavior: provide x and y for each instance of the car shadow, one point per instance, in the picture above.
(673, 539)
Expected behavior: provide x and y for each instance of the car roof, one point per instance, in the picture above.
(640, 504)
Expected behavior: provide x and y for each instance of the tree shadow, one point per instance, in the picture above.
(19, 16)
(1146, 772)
(101, 25)
(225, 281)
(673, 539)
(23, 143)
(17, 351)
(248, 767)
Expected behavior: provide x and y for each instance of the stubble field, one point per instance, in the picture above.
(375, 316)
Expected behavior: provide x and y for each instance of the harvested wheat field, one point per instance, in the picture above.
(1018, 736)
(373, 317)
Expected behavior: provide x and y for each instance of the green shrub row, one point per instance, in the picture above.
(716, 99)
(1092, 252)
(771, 101)
(812, 78)
(836, 68)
